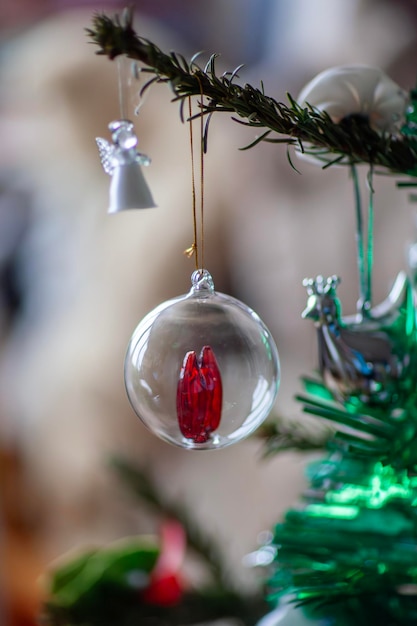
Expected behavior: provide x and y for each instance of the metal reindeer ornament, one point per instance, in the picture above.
(370, 359)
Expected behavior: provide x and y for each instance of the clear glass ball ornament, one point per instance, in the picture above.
(202, 370)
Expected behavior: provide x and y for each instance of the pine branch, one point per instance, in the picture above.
(282, 436)
(312, 131)
(143, 487)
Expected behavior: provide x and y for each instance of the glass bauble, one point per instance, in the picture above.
(202, 370)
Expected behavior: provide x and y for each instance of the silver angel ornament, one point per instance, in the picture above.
(122, 161)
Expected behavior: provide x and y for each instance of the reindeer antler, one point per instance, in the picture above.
(320, 285)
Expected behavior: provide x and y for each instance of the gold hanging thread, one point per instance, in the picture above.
(194, 249)
(201, 175)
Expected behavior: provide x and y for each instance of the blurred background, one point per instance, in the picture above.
(74, 281)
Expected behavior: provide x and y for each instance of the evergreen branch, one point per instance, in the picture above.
(143, 487)
(358, 421)
(373, 432)
(280, 436)
(350, 141)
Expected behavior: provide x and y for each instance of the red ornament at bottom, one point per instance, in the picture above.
(199, 395)
(166, 585)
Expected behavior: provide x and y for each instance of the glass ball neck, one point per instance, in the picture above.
(202, 282)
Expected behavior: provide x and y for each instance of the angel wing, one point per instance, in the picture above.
(106, 151)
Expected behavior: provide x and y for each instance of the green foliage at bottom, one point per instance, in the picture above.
(116, 607)
(110, 586)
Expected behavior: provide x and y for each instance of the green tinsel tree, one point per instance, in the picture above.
(347, 555)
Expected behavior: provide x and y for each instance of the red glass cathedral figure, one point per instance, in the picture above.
(199, 395)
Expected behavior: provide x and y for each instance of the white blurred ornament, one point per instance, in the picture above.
(202, 370)
(357, 90)
(128, 188)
